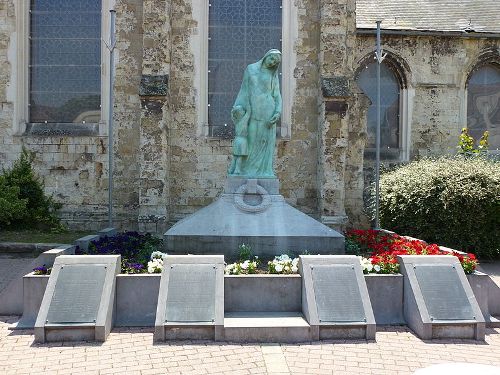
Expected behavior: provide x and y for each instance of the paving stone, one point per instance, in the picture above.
(131, 351)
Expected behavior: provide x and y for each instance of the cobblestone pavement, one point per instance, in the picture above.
(131, 351)
(11, 266)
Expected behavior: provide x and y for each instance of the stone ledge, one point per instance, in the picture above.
(22, 247)
(61, 129)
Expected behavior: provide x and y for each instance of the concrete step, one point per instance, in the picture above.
(266, 327)
(493, 321)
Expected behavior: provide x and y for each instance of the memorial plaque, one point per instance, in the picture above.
(443, 293)
(337, 294)
(191, 293)
(77, 294)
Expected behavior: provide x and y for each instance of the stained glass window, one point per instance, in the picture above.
(240, 33)
(389, 105)
(483, 104)
(65, 61)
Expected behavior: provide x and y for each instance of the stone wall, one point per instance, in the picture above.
(435, 70)
(166, 169)
(297, 157)
(75, 168)
(198, 164)
(9, 147)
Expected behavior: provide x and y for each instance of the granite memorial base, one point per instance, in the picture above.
(438, 299)
(251, 211)
(79, 301)
(191, 298)
(335, 299)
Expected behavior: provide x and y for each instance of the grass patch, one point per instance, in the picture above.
(37, 236)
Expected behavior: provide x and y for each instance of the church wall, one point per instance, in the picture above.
(436, 70)
(198, 164)
(74, 169)
(166, 169)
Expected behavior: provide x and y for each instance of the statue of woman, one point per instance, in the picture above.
(259, 97)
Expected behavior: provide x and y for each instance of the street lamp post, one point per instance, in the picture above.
(379, 55)
(111, 48)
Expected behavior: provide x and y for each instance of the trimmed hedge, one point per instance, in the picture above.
(453, 201)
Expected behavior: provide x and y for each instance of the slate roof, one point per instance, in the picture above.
(430, 15)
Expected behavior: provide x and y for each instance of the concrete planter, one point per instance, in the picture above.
(487, 295)
(32, 295)
(263, 293)
(136, 299)
(386, 297)
(136, 296)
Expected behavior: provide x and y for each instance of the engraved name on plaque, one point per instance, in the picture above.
(443, 293)
(337, 293)
(191, 293)
(77, 294)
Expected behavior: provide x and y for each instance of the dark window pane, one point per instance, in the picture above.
(241, 32)
(483, 104)
(65, 61)
(389, 105)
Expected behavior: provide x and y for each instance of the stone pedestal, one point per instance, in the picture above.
(252, 211)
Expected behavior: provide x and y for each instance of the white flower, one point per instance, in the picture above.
(295, 262)
(366, 264)
(245, 264)
(295, 269)
(376, 267)
(229, 268)
(284, 258)
(158, 255)
(155, 266)
(278, 267)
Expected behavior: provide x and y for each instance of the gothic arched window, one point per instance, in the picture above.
(389, 105)
(483, 104)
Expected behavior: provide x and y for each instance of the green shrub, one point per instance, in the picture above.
(454, 202)
(12, 208)
(39, 210)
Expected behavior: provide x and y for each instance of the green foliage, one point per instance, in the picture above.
(245, 252)
(22, 185)
(451, 201)
(466, 144)
(352, 247)
(12, 208)
(136, 249)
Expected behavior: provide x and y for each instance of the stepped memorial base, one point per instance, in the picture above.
(251, 211)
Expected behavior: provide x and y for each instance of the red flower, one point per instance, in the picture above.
(386, 247)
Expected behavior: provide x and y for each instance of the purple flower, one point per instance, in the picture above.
(136, 266)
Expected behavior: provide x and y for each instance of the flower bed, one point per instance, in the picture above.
(385, 247)
(139, 252)
(249, 264)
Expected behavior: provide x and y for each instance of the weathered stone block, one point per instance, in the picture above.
(153, 85)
